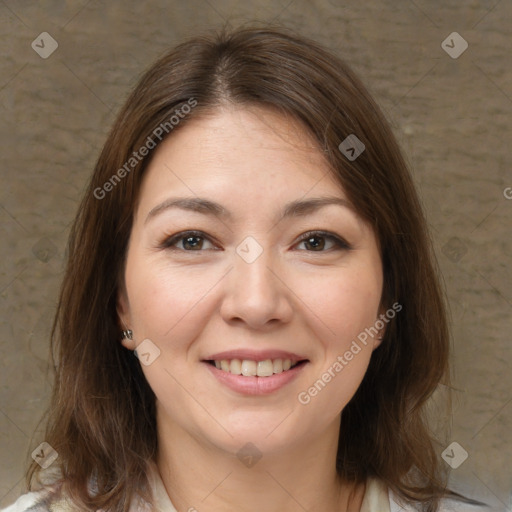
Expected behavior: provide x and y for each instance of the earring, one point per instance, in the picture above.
(128, 334)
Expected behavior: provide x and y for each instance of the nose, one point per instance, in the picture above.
(256, 292)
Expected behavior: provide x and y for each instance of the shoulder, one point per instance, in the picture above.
(51, 499)
(31, 501)
(448, 504)
(460, 505)
(44, 500)
(24, 502)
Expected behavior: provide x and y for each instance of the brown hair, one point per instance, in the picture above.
(102, 414)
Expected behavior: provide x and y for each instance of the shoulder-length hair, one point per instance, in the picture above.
(101, 419)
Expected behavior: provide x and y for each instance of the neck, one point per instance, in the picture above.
(199, 476)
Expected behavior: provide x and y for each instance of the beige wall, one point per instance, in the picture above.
(453, 117)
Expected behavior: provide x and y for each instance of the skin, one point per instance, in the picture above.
(194, 302)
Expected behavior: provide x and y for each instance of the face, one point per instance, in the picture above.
(248, 279)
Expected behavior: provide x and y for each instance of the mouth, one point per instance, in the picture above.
(256, 368)
(255, 372)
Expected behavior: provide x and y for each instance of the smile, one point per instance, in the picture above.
(251, 368)
(241, 375)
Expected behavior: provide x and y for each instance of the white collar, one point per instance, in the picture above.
(162, 501)
(376, 497)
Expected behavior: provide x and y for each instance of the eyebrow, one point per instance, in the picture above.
(207, 207)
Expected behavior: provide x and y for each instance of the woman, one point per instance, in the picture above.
(253, 232)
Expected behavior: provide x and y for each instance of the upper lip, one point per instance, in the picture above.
(254, 355)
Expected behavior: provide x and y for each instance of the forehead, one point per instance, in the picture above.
(254, 153)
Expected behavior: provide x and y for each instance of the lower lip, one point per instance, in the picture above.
(256, 385)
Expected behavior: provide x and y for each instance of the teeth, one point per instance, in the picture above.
(235, 366)
(278, 366)
(250, 368)
(265, 368)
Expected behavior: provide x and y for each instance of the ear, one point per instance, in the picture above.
(378, 340)
(380, 323)
(123, 314)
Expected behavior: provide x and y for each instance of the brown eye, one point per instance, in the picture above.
(187, 241)
(319, 241)
(315, 242)
(192, 242)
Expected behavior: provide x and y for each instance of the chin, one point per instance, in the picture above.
(267, 433)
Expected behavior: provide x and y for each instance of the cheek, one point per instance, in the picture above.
(169, 306)
(167, 303)
(344, 304)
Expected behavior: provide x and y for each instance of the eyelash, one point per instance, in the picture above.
(339, 243)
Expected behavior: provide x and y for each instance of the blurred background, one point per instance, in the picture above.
(441, 71)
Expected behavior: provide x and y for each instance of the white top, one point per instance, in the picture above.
(377, 498)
